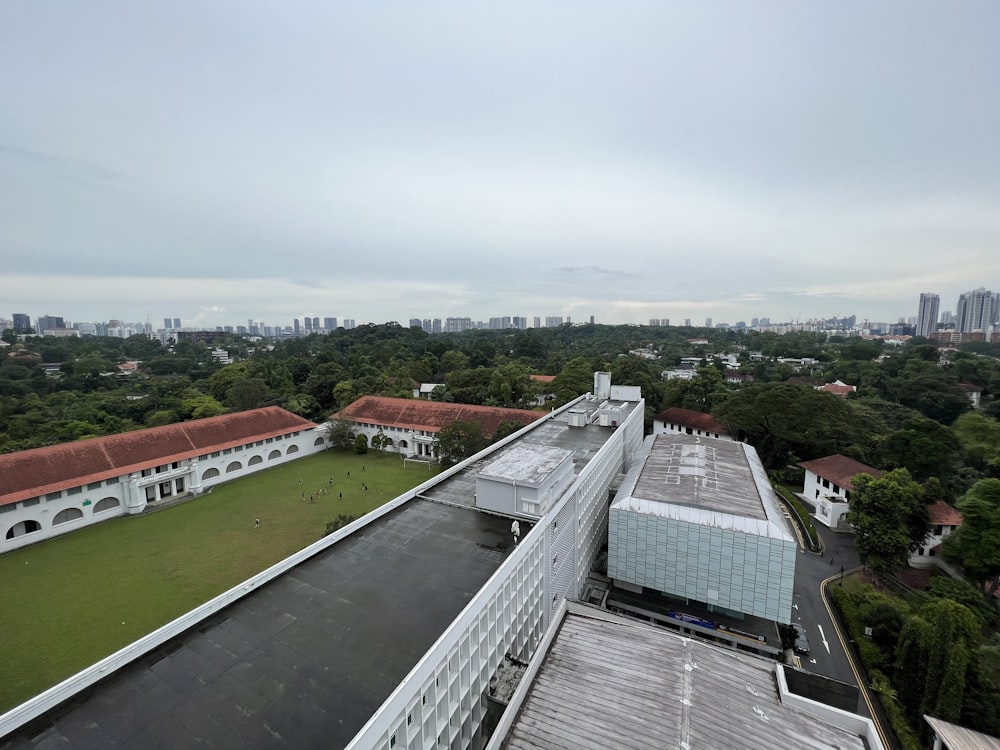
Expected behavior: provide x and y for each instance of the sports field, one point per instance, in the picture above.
(70, 601)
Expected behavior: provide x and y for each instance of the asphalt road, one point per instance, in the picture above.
(827, 657)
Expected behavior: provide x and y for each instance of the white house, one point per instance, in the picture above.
(688, 422)
(49, 491)
(944, 520)
(828, 486)
(410, 425)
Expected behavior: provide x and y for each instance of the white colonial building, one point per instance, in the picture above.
(827, 486)
(53, 490)
(410, 425)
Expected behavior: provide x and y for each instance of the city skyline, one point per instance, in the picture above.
(661, 160)
(974, 310)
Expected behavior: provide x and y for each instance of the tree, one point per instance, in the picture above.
(889, 518)
(360, 444)
(457, 441)
(975, 545)
(246, 393)
(925, 447)
(341, 434)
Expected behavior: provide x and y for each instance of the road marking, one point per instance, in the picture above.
(812, 661)
(823, 635)
(795, 606)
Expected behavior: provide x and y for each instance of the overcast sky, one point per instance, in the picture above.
(219, 161)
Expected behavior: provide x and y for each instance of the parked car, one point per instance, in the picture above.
(801, 640)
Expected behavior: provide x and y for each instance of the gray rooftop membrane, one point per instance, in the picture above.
(701, 473)
(303, 661)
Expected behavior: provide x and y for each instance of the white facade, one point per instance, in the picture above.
(440, 702)
(829, 499)
(524, 480)
(35, 519)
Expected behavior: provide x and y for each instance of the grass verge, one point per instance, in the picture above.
(805, 519)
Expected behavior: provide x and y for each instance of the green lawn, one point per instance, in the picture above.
(70, 601)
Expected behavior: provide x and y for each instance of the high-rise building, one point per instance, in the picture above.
(436, 325)
(687, 321)
(927, 314)
(330, 324)
(349, 324)
(177, 322)
(315, 324)
(168, 323)
(22, 322)
(975, 310)
(295, 326)
(708, 322)
(47, 322)
(415, 323)
(538, 321)
(456, 325)
(553, 321)
(519, 322)
(308, 323)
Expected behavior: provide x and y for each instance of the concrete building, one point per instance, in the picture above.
(602, 681)
(696, 520)
(827, 486)
(412, 424)
(385, 634)
(975, 310)
(49, 491)
(680, 421)
(927, 314)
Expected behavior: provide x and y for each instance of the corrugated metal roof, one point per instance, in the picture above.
(611, 683)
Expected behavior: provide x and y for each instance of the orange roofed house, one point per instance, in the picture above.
(411, 424)
(828, 486)
(49, 491)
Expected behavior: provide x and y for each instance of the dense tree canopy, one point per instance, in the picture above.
(975, 545)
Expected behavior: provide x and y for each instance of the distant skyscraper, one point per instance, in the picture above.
(975, 310)
(48, 322)
(436, 325)
(927, 314)
(349, 323)
(708, 322)
(687, 321)
(22, 322)
(538, 321)
(309, 323)
(177, 322)
(315, 324)
(295, 326)
(591, 320)
(416, 323)
(168, 323)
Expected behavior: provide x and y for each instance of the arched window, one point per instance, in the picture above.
(254, 460)
(234, 466)
(319, 441)
(22, 528)
(273, 455)
(403, 445)
(210, 474)
(106, 503)
(69, 514)
(292, 449)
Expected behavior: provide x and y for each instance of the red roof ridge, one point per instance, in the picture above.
(839, 469)
(943, 514)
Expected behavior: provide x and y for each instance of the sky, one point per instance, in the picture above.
(227, 161)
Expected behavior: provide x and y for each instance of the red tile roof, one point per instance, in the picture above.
(970, 388)
(696, 420)
(839, 469)
(39, 471)
(543, 378)
(839, 389)
(943, 514)
(417, 414)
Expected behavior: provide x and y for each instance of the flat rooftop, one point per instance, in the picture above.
(609, 682)
(584, 442)
(713, 482)
(527, 464)
(305, 660)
